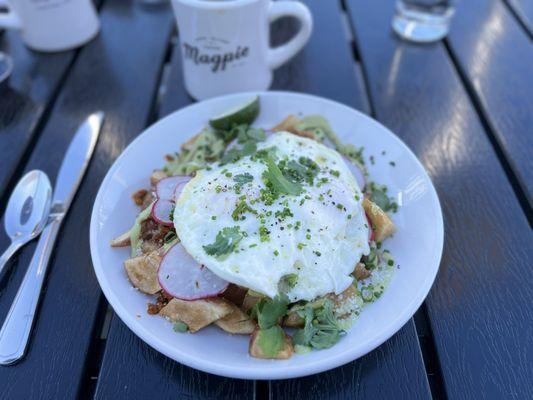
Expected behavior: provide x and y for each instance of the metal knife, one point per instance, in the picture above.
(15, 333)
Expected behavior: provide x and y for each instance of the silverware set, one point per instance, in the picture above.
(33, 210)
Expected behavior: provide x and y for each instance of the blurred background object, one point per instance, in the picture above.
(225, 44)
(53, 25)
(422, 21)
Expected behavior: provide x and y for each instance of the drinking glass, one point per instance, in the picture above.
(422, 21)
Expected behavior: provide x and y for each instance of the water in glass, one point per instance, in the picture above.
(422, 20)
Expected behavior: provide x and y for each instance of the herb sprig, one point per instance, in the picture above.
(269, 311)
(321, 329)
(243, 179)
(277, 182)
(247, 138)
(378, 194)
(225, 242)
(303, 170)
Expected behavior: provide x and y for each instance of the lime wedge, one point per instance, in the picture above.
(244, 114)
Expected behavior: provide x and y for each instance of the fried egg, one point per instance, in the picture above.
(305, 242)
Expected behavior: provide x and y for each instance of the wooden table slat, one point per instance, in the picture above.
(131, 369)
(326, 66)
(496, 55)
(397, 364)
(385, 373)
(477, 307)
(524, 11)
(35, 79)
(113, 75)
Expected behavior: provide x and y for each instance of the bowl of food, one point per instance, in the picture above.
(266, 236)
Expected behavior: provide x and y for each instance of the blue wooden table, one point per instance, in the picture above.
(465, 107)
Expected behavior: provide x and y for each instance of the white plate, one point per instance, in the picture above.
(416, 247)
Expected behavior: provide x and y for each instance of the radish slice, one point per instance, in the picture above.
(165, 187)
(166, 191)
(161, 212)
(357, 173)
(182, 277)
(179, 187)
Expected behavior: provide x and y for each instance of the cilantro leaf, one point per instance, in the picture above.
(261, 155)
(243, 132)
(250, 134)
(248, 149)
(268, 311)
(311, 168)
(378, 195)
(231, 156)
(235, 154)
(227, 136)
(293, 170)
(234, 132)
(303, 170)
(323, 339)
(325, 318)
(225, 242)
(321, 329)
(303, 336)
(275, 180)
(242, 179)
(380, 198)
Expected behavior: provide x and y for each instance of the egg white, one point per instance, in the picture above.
(322, 252)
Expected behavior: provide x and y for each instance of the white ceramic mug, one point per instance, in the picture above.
(225, 43)
(51, 25)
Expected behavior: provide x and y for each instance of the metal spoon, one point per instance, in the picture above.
(26, 212)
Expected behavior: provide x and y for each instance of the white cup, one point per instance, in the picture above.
(51, 25)
(225, 43)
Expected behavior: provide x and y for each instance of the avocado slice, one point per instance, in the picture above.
(135, 232)
(272, 343)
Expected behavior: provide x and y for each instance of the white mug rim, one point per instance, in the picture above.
(216, 5)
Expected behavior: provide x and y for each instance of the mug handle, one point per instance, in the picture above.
(281, 54)
(9, 19)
